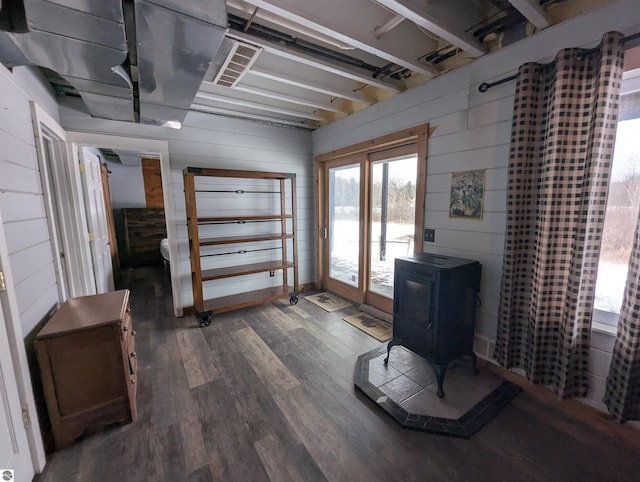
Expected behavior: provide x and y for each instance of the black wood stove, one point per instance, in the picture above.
(434, 309)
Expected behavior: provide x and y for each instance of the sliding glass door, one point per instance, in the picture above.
(392, 223)
(342, 228)
(368, 213)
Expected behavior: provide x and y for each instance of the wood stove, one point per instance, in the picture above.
(434, 309)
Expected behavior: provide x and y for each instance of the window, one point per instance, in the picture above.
(622, 207)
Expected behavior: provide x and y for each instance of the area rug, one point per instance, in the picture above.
(372, 326)
(405, 388)
(328, 301)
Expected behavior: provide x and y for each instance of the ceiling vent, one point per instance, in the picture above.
(238, 62)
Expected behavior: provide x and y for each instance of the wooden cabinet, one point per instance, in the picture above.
(434, 308)
(87, 359)
(248, 213)
(144, 228)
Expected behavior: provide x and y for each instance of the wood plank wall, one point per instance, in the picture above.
(212, 141)
(21, 196)
(152, 179)
(473, 132)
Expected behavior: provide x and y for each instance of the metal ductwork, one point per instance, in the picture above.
(129, 60)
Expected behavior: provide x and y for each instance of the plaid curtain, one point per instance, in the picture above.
(562, 140)
(622, 394)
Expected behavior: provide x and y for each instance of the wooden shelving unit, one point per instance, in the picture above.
(285, 232)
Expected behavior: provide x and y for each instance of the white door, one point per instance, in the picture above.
(97, 221)
(14, 447)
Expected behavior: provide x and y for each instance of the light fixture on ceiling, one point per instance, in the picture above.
(173, 124)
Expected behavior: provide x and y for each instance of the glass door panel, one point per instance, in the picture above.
(343, 227)
(392, 215)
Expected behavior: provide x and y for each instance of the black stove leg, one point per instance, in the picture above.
(440, 371)
(474, 363)
(389, 346)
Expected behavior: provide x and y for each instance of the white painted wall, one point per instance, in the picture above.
(125, 182)
(21, 195)
(127, 186)
(213, 141)
(473, 132)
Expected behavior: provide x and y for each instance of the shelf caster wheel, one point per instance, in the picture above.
(205, 319)
(293, 300)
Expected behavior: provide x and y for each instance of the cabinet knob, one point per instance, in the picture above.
(133, 354)
(125, 328)
(133, 332)
(133, 380)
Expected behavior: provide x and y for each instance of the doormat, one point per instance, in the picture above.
(372, 326)
(327, 301)
(405, 388)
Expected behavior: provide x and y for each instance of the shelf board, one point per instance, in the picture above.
(244, 238)
(239, 270)
(265, 217)
(249, 298)
(211, 172)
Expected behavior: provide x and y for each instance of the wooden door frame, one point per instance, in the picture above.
(354, 293)
(111, 225)
(418, 135)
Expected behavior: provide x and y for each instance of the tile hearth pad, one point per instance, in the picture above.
(406, 389)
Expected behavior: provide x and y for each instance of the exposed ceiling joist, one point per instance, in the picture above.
(448, 20)
(388, 26)
(532, 11)
(303, 63)
(245, 115)
(258, 106)
(239, 7)
(353, 73)
(287, 98)
(404, 48)
(323, 87)
(262, 83)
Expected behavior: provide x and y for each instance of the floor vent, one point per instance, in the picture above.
(239, 61)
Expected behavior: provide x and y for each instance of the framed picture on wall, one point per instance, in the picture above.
(467, 194)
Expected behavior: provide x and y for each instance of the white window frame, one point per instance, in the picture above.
(607, 321)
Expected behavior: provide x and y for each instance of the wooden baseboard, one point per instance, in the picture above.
(573, 409)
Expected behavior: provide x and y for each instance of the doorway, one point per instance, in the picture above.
(14, 446)
(371, 211)
(159, 150)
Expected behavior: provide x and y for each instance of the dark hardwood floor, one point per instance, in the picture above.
(266, 393)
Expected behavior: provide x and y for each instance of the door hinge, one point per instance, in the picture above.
(3, 284)
(81, 168)
(26, 419)
(91, 237)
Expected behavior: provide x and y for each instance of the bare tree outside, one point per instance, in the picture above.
(622, 211)
(620, 218)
